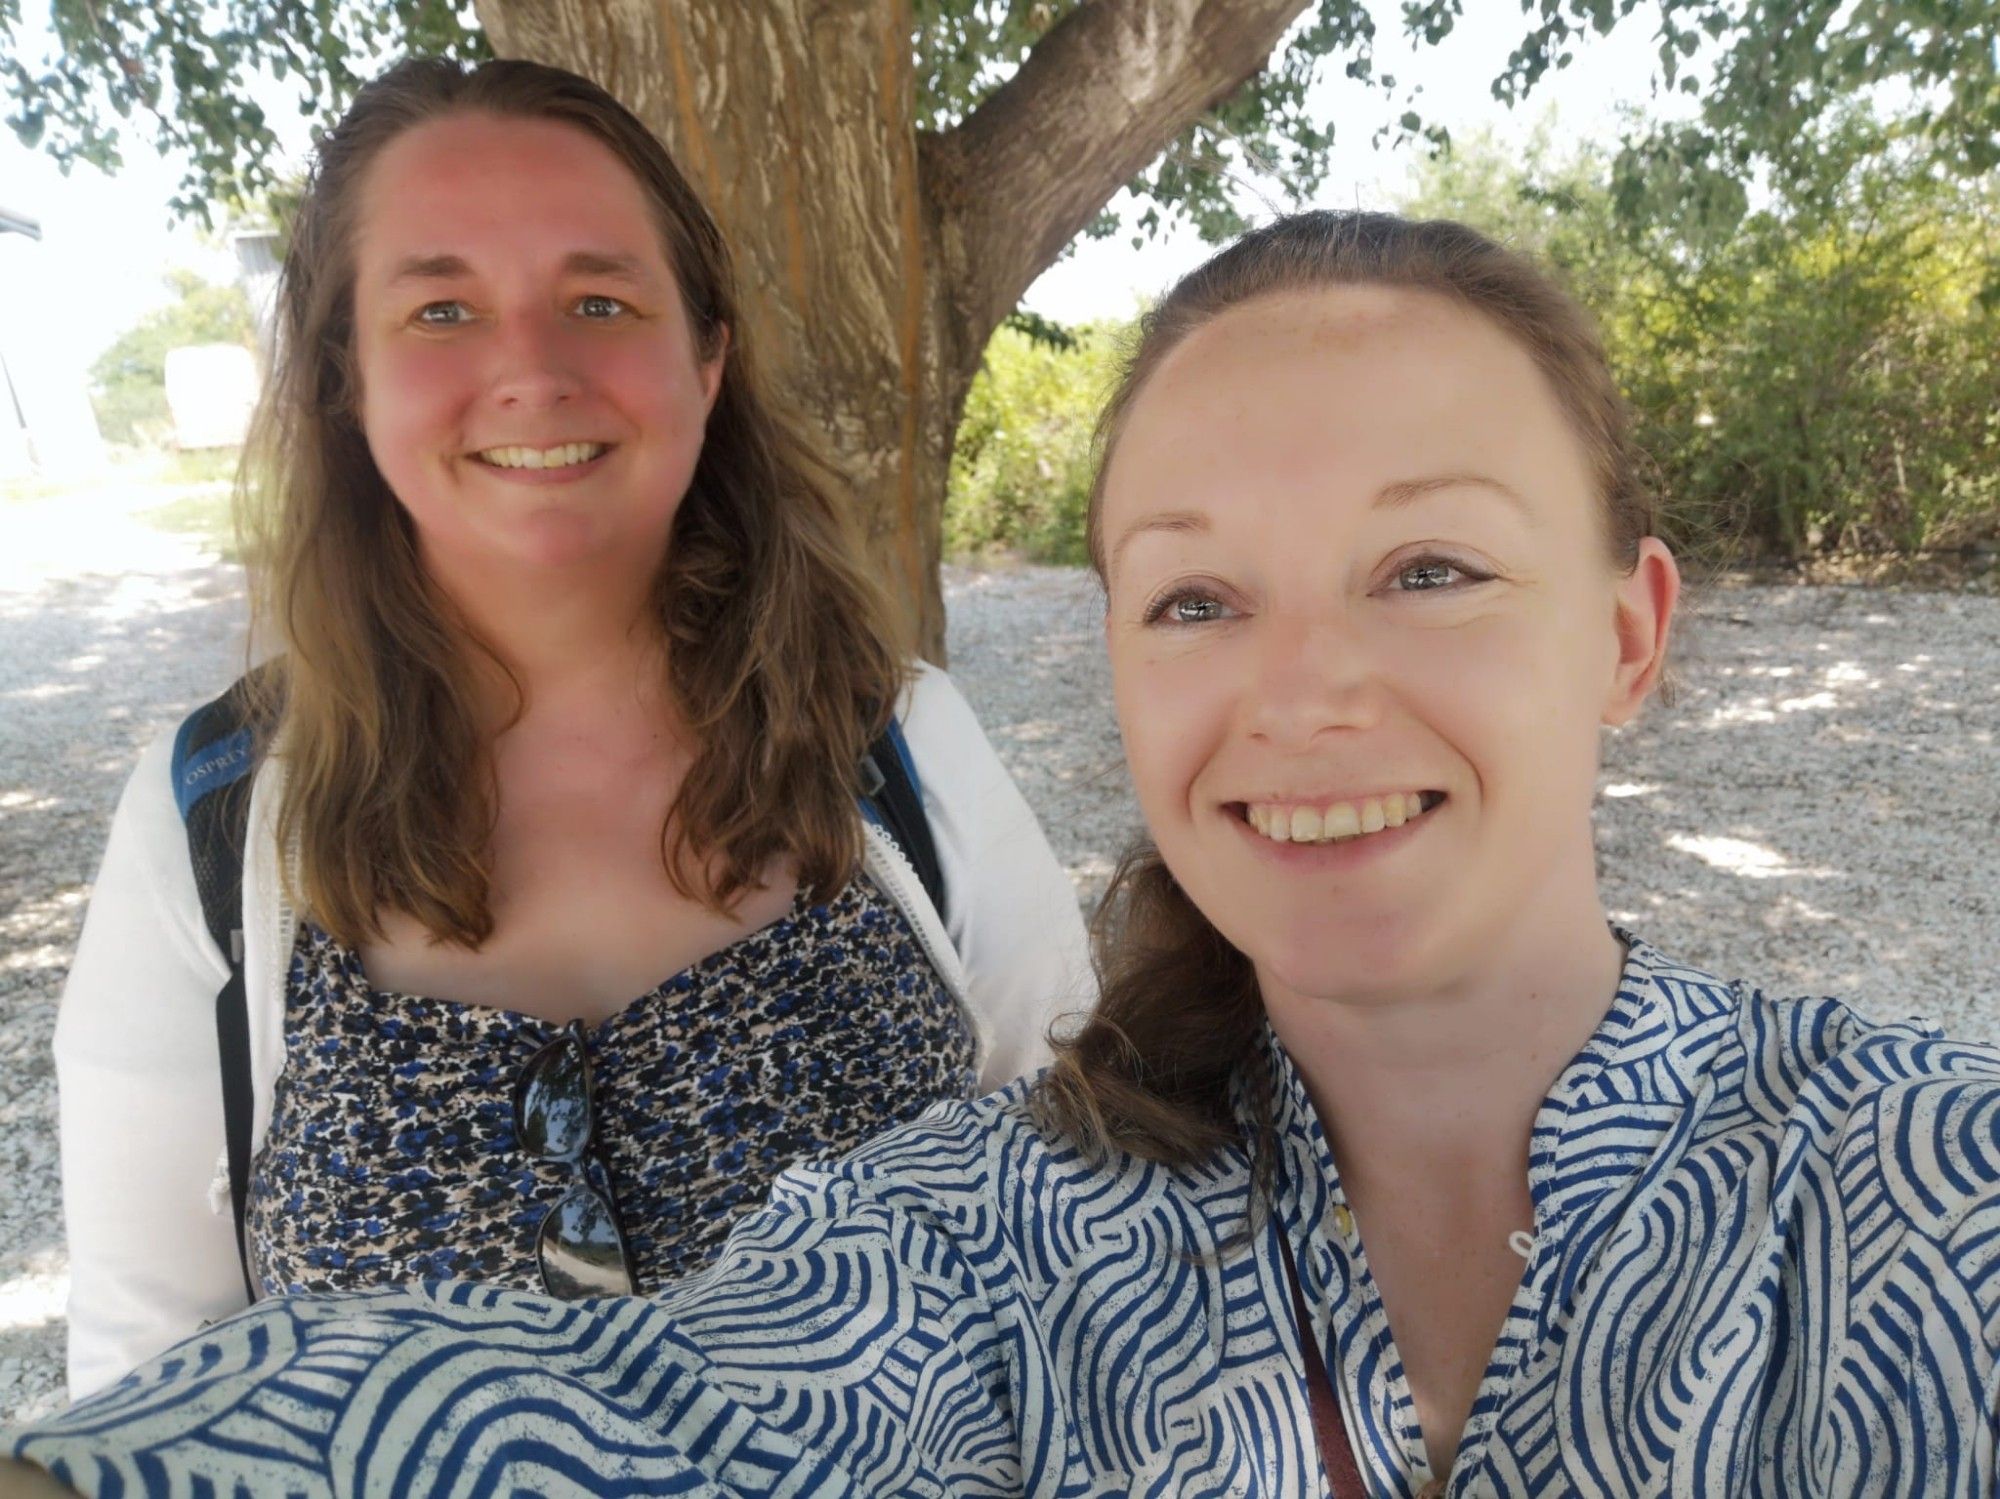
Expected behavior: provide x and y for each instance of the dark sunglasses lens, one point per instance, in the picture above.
(552, 1111)
(580, 1249)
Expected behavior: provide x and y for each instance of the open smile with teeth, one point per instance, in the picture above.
(564, 455)
(1337, 822)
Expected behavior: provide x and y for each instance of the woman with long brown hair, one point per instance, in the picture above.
(1387, 1166)
(578, 680)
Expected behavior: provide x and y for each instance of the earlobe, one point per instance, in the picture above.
(711, 371)
(1644, 612)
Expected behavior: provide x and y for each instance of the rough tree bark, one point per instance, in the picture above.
(877, 259)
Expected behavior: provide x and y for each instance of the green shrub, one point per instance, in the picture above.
(1813, 373)
(1020, 474)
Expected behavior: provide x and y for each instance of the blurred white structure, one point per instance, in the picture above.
(46, 424)
(211, 391)
(258, 260)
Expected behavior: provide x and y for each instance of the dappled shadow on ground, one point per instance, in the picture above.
(1818, 810)
(1034, 670)
(92, 666)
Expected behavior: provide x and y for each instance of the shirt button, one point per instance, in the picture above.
(1344, 1221)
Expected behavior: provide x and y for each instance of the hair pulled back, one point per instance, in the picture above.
(1149, 1070)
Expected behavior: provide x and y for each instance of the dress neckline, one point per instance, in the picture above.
(354, 972)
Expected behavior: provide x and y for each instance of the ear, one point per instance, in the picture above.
(712, 367)
(1643, 614)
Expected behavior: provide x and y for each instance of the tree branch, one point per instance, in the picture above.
(1100, 96)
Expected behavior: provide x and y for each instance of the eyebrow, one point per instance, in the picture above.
(1401, 492)
(428, 268)
(596, 263)
(577, 262)
(1408, 491)
(1187, 521)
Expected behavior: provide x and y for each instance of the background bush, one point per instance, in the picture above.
(1813, 362)
(1814, 372)
(1020, 474)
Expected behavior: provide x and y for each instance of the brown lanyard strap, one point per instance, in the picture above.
(1336, 1453)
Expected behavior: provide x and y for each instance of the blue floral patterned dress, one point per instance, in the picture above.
(391, 1153)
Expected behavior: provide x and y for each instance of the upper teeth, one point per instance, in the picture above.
(557, 457)
(1289, 824)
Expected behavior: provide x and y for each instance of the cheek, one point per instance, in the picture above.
(411, 397)
(656, 382)
(1174, 703)
(1512, 694)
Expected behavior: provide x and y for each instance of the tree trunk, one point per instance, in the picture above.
(875, 262)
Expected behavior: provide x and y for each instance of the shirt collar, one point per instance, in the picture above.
(1643, 1065)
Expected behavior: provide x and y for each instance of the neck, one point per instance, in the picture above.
(578, 643)
(1445, 1083)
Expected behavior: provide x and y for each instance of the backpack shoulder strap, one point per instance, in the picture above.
(214, 753)
(893, 798)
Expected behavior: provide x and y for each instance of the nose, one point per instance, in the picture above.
(532, 368)
(1312, 677)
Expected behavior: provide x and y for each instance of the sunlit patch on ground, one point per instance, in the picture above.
(109, 632)
(1738, 857)
(1816, 813)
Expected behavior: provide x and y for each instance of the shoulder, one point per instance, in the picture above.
(150, 792)
(212, 745)
(991, 1175)
(935, 717)
(1905, 1118)
(1918, 1134)
(1835, 1058)
(1767, 1054)
(148, 840)
(967, 790)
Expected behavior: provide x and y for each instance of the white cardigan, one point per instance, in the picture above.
(152, 1241)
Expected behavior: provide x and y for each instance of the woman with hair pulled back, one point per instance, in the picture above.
(1386, 1165)
(565, 925)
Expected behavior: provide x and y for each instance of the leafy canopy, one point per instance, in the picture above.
(188, 75)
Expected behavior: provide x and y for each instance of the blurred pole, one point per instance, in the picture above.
(17, 223)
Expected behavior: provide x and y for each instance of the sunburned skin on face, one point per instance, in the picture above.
(532, 388)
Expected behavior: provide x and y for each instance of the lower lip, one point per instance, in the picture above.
(564, 475)
(1349, 853)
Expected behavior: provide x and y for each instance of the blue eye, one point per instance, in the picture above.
(1421, 576)
(1435, 575)
(599, 308)
(442, 314)
(1186, 607)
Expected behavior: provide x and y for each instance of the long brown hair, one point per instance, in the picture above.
(779, 652)
(1150, 1069)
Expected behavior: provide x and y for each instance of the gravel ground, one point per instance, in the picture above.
(1819, 809)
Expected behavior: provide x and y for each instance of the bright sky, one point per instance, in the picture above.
(108, 240)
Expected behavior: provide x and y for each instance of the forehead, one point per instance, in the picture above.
(475, 184)
(1332, 394)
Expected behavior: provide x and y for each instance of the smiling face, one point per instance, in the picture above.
(531, 387)
(1364, 626)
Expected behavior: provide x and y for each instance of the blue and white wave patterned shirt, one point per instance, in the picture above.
(1766, 1261)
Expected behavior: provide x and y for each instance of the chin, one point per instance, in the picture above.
(1342, 958)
